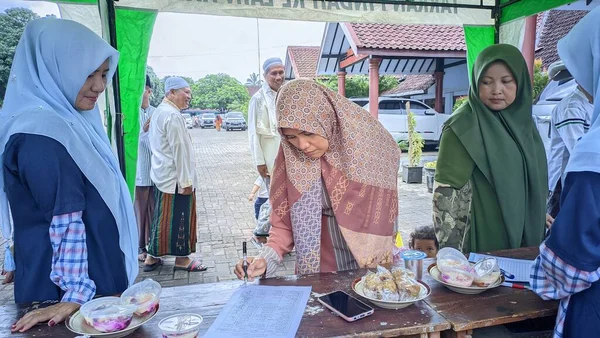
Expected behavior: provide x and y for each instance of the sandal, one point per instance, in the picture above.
(192, 267)
(152, 267)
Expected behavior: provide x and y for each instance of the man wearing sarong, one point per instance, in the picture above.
(173, 228)
(144, 194)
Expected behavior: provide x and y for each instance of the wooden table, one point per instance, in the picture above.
(418, 320)
(499, 306)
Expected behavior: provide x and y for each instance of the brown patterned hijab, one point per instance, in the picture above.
(360, 172)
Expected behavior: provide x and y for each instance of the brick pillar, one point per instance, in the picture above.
(529, 43)
(374, 86)
(341, 77)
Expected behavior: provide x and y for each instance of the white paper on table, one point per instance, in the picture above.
(520, 268)
(261, 311)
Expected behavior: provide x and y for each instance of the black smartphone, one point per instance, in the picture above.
(346, 306)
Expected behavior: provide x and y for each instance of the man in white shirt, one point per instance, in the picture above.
(173, 229)
(144, 192)
(570, 121)
(262, 123)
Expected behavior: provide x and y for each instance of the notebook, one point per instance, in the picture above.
(520, 268)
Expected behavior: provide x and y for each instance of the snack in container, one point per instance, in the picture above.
(397, 285)
(185, 325)
(455, 268)
(144, 295)
(107, 314)
(381, 285)
(487, 272)
(408, 287)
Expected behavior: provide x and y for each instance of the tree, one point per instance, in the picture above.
(13, 22)
(358, 85)
(254, 80)
(158, 87)
(219, 91)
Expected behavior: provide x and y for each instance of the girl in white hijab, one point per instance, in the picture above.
(568, 267)
(75, 233)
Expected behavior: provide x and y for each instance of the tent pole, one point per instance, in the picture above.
(112, 29)
(496, 13)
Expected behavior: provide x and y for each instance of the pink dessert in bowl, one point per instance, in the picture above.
(144, 296)
(107, 314)
(455, 268)
(185, 325)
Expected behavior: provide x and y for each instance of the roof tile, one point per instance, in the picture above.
(411, 83)
(304, 60)
(556, 25)
(410, 37)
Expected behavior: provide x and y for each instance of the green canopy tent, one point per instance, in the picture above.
(128, 25)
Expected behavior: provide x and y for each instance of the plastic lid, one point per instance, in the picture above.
(180, 323)
(413, 255)
(106, 307)
(485, 266)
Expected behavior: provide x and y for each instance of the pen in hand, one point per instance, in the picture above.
(245, 263)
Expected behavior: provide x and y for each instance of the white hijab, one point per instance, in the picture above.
(580, 51)
(52, 62)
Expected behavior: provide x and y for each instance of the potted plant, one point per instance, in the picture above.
(430, 174)
(413, 171)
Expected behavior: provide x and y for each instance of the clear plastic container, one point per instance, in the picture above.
(487, 272)
(185, 325)
(144, 295)
(107, 314)
(455, 267)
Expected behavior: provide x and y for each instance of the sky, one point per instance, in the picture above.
(196, 45)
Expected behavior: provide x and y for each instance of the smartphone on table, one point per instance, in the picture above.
(346, 306)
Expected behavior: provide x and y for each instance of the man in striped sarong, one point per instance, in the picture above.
(173, 229)
(144, 192)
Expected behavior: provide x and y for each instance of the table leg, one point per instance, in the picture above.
(457, 334)
(434, 335)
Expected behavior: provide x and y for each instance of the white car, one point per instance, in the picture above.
(393, 116)
(189, 123)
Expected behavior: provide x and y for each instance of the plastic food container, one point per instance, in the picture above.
(487, 272)
(107, 314)
(413, 261)
(455, 268)
(144, 295)
(185, 325)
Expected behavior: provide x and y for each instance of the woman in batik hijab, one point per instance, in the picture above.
(334, 188)
(491, 175)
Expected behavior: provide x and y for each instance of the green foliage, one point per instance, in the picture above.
(459, 102)
(158, 87)
(431, 165)
(403, 145)
(540, 78)
(220, 91)
(358, 85)
(12, 23)
(254, 80)
(415, 140)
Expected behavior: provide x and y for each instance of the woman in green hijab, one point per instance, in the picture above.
(491, 175)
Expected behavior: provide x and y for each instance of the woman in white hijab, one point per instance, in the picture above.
(568, 267)
(75, 233)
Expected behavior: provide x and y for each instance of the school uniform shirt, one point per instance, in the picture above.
(142, 177)
(570, 121)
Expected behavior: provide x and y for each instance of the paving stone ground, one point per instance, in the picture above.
(226, 217)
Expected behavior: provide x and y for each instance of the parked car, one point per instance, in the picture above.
(361, 101)
(393, 116)
(189, 123)
(234, 120)
(552, 94)
(207, 120)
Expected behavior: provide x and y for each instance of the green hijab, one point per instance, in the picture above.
(510, 170)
